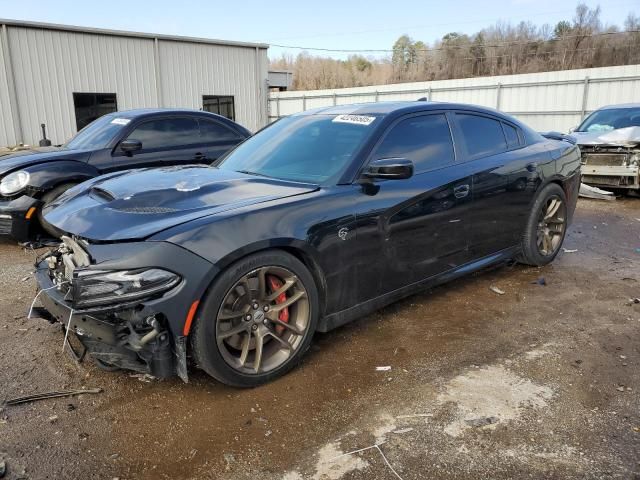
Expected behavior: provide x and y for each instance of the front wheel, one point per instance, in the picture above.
(257, 320)
(546, 227)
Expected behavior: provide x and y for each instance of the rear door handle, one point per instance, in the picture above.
(199, 156)
(461, 191)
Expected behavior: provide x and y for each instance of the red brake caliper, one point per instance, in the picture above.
(283, 316)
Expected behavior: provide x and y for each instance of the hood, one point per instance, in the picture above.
(138, 203)
(624, 137)
(26, 158)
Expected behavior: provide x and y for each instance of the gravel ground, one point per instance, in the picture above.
(540, 382)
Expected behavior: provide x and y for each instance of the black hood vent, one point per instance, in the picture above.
(101, 194)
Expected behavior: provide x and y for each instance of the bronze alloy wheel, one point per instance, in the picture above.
(551, 225)
(262, 320)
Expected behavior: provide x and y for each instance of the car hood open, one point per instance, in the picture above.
(135, 204)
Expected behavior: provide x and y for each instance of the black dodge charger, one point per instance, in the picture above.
(117, 141)
(320, 218)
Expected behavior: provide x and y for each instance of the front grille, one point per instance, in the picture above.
(5, 225)
(605, 159)
(613, 181)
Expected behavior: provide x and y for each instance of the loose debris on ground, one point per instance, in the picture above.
(44, 396)
(538, 382)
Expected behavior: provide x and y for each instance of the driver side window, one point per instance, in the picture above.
(425, 140)
(166, 133)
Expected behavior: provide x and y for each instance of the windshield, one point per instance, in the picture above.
(98, 133)
(308, 148)
(611, 119)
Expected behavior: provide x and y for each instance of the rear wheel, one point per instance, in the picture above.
(48, 198)
(546, 227)
(257, 320)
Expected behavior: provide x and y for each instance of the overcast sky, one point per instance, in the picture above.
(334, 24)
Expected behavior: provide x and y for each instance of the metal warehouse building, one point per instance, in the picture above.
(66, 76)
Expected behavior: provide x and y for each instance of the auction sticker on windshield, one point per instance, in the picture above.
(120, 121)
(354, 119)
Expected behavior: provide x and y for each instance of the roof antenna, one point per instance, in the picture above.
(422, 99)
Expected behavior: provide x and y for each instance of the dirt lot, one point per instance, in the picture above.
(541, 382)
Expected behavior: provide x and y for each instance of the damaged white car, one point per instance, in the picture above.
(609, 140)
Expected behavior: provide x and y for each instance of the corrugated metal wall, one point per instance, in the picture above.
(189, 71)
(7, 130)
(50, 64)
(545, 101)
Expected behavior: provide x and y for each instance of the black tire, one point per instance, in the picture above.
(203, 335)
(47, 198)
(531, 253)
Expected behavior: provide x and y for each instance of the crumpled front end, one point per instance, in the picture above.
(611, 159)
(126, 303)
(611, 166)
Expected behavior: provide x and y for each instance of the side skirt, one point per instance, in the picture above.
(343, 317)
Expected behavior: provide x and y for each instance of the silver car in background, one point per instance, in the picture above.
(609, 140)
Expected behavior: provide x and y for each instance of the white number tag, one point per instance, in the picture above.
(354, 119)
(120, 121)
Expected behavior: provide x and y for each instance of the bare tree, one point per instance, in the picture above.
(499, 49)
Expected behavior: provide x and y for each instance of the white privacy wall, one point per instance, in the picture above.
(42, 65)
(545, 101)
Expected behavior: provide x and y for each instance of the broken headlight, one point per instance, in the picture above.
(634, 160)
(99, 287)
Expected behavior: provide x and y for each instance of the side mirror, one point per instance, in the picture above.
(390, 168)
(130, 146)
(572, 129)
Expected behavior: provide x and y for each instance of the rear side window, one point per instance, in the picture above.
(167, 133)
(512, 135)
(425, 140)
(211, 132)
(482, 135)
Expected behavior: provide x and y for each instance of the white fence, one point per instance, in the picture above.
(545, 101)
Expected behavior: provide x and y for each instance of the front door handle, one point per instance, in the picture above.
(461, 191)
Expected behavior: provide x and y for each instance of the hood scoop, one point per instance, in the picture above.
(99, 193)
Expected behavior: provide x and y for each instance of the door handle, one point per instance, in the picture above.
(461, 191)
(199, 156)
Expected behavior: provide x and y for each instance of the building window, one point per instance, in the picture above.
(222, 105)
(90, 106)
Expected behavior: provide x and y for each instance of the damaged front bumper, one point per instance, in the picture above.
(17, 218)
(613, 167)
(144, 334)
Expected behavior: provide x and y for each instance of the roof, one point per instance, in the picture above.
(621, 105)
(137, 112)
(385, 108)
(124, 33)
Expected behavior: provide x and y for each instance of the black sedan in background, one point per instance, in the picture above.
(318, 219)
(117, 141)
